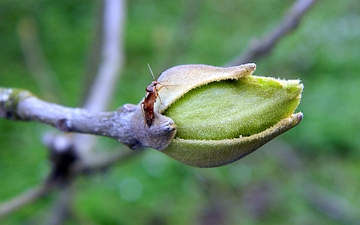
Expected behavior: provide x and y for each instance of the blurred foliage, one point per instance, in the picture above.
(274, 185)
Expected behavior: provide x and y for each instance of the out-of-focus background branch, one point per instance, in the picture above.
(307, 176)
(260, 48)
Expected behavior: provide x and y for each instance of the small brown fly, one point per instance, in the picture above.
(150, 99)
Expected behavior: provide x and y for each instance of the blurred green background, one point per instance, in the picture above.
(309, 175)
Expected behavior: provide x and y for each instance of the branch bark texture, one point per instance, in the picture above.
(124, 124)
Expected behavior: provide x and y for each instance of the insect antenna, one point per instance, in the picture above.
(152, 74)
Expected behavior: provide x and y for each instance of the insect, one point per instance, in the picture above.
(150, 99)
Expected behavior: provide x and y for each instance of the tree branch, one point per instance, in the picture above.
(126, 124)
(24, 199)
(260, 48)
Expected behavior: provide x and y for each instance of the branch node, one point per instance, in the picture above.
(63, 125)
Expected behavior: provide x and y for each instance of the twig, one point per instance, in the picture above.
(125, 124)
(25, 198)
(262, 47)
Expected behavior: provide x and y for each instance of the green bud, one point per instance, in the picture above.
(223, 114)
